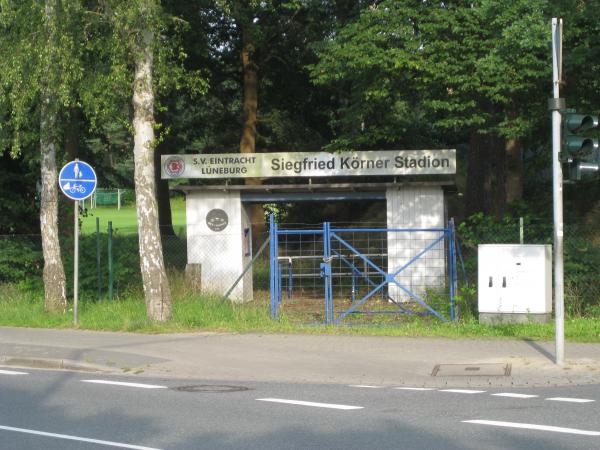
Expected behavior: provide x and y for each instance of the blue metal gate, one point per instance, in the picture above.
(334, 273)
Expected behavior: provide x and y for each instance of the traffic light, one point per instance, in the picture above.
(580, 153)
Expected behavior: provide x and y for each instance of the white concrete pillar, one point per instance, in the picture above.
(415, 207)
(216, 239)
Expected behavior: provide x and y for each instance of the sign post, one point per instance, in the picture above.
(77, 180)
(556, 105)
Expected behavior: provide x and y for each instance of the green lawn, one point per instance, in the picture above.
(124, 220)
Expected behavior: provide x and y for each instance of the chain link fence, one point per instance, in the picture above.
(581, 258)
(109, 265)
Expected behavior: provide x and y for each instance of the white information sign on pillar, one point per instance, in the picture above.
(78, 181)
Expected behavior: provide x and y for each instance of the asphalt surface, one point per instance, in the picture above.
(304, 358)
(211, 390)
(76, 410)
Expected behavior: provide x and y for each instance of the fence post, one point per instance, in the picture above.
(521, 231)
(327, 273)
(353, 291)
(98, 273)
(451, 265)
(119, 199)
(290, 275)
(273, 271)
(110, 261)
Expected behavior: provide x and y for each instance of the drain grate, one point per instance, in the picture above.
(470, 370)
(218, 388)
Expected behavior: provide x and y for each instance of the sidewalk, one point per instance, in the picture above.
(299, 358)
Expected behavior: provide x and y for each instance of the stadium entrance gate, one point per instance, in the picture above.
(333, 274)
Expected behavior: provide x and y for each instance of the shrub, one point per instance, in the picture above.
(20, 258)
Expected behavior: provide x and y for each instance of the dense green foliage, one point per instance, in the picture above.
(352, 74)
(413, 71)
(20, 258)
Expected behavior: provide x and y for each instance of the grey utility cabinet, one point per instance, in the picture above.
(514, 283)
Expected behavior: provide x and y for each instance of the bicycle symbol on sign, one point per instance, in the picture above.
(77, 188)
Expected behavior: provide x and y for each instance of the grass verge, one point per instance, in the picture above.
(193, 313)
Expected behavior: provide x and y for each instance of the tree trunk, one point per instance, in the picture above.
(474, 195)
(248, 140)
(495, 181)
(486, 175)
(165, 218)
(514, 171)
(55, 297)
(72, 133)
(71, 145)
(156, 285)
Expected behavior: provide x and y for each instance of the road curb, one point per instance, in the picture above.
(55, 364)
(516, 382)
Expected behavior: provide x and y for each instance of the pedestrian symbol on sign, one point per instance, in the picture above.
(77, 171)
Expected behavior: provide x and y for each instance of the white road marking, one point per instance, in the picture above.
(513, 395)
(12, 372)
(121, 383)
(366, 386)
(415, 388)
(302, 403)
(76, 438)
(572, 400)
(531, 426)
(462, 391)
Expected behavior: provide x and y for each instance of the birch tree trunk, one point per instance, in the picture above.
(55, 297)
(156, 285)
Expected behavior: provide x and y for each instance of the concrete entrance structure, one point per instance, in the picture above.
(219, 229)
(218, 226)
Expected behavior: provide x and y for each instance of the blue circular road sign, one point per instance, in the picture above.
(77, 180)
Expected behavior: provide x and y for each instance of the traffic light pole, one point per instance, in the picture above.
(556, 104)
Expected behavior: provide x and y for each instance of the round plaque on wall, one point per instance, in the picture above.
(217, 219)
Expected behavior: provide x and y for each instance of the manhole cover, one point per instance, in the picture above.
(470, 370)
(210, 388)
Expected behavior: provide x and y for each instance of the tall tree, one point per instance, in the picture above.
(54, 273)
(137, 23)
(244, 13)
(145, 53)
(39, 67)
(269, 42)
(413, 73)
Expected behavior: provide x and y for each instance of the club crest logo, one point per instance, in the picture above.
(174, 166)
(217, 219)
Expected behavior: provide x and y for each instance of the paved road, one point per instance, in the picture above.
(72, 410)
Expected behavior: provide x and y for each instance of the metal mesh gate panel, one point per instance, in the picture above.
(336, 275)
